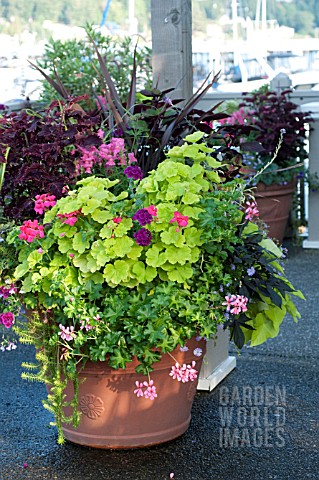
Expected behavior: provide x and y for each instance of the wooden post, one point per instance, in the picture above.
(172, 46)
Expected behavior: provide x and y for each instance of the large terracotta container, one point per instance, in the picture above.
(274, 204)
(114, 417)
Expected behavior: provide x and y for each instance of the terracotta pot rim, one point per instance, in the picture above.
(101, 367)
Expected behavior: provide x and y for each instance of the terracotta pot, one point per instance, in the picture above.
(274, 204)
(114, 417)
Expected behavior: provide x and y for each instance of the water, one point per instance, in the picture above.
(19, 82)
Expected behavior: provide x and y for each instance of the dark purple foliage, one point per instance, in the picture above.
(273, 112)
(38, 148)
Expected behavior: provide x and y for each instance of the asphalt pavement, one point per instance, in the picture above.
(260, 423)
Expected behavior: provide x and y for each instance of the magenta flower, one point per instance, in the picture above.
(152, 210)
(131, 158)
(31, 230)
(134, 172)
(143, 217)
(7, 319)
(43, 202)
(100, 133)
(6, 291)
(88, 158)
(69, 218)
(114, 152)
(117, 219)
(181, 220)
(143, 237)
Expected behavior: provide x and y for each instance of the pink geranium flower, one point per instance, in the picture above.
(69, 218)
(181, 220)
(30, 230)
(251, 211)
(43, 202)
(184, 373)
(236, 304)
(150, 391)
(67, 333)
(146, 389)
(152, 210)
(139, 390)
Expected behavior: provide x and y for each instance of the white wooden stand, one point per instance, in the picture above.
(217, 363)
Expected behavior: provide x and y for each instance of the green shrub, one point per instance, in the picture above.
(75, 62)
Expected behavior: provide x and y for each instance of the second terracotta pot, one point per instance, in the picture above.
(274, 204)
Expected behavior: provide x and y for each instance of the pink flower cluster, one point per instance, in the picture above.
(145, 389)
(85, 325)
(31, 230)
(152, 210)
(184, 373)
(69, 218)
(181, 220)
(67, 333)
(88, 159)
(236, 303)
(7, 319)
(251, 211)
(115, 152)
(43, 202)
(101, 101)
(237, 117)
(111, 154)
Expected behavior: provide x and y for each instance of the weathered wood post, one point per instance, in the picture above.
(171, 22)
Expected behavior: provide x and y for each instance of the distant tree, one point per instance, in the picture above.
(302, 15)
